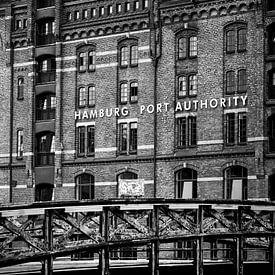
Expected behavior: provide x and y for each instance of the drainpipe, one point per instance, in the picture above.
(155, 56)
(11, 111)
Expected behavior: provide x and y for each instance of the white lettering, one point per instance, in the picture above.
(159, 105)
(178, 107)
(150, 108)
(215, 104)
(204, 103)
(101, 113)
(116, 111)
(189, 105)
(244, 98)
(195, 104)
(93, 114)
(107, 112)
(124, 111)
(142, 108)
(166, 106)
(222, 102)
(77, 115)
(235, 98)
(85, 115)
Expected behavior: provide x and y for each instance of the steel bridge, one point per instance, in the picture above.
(46, 231)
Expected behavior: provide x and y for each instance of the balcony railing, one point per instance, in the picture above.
(45, 39)
(44, 159)
(45, 114)
(44, 77)
(45, 3)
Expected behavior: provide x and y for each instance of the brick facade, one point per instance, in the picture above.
(155, 29)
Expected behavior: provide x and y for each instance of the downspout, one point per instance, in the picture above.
(155, 56)
(11, 112)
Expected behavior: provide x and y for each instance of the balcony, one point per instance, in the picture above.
(41, 4)
(45, 159)
(45, 77)
(45, 114)
(46, 39)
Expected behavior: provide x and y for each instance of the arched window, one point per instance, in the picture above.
(85, 187)
(187, 44)
(235, 181)
(44, 192)
(186, 183)
(271, 133)
(20, 88)
(235, 37)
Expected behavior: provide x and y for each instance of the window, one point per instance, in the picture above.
(235, 38)
(124, 56)
(85, 187)
(76, 15)
(271, 86)
(110, 10)
(271, 133)
(118, 8)
(127, 138)
(18, 24)
(87, 60)
(93, 12)
(235, 180)
(86, 140)
(242, 138)
(91, 60)
(186, 132)
(85, 14)
(242, 81)
(134, 55)
(136, 5)
(20, 144)
(230, 41)
(186, 183)
(25, 23)
(69, 16)
(82, 61)
(133, 137)
(270, 5)
(187, 85)
(45, 107)
(182, 86)
(45, 148)
(241, 40)
(127, 6)
(271, 183)
(20, 88)
(187, 47)
(193, 85)
(144, 4)
(81, 97)
(230, 82)
(236, 132)
(91, 96)
(182, 47)
(133, 92)
(185, 250)
(44, 192)
(193, 46)
(101, 11)
(123, 93)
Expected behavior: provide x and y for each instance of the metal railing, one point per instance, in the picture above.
(45, 114)
(44, 77)
(44, 39)
(44, 159)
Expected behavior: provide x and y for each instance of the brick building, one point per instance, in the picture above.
(173, 97)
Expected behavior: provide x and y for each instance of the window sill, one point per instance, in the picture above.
(134, 65)
(123, 66)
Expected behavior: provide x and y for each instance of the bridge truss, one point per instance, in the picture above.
(50, 230)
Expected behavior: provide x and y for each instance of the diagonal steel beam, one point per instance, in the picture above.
(20, 232)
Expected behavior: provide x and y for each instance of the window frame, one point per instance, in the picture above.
(20, 143)
(236, 42)
(242, 81)
(133, 90)
(85, 141)
(186, 132)
(186, 47)
(185, 84)
(230, 82)
(90, 185)
(180, 178)
(127, 138)
(123, 93)
(20, 88)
